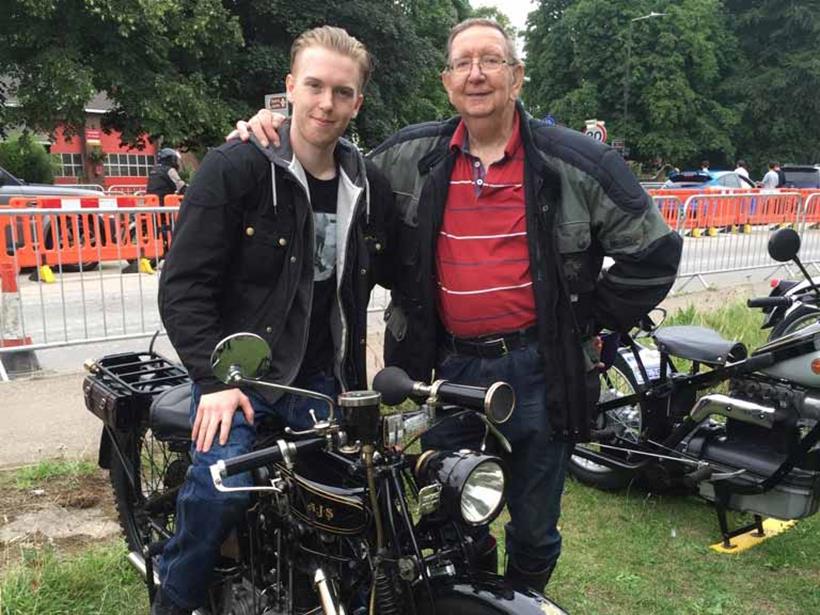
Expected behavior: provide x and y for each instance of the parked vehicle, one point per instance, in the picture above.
(343, 518)
(708, 180)
(753, 449)
(801, 176)
(11, 186)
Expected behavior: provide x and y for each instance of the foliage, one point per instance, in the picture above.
(30, 476)
(163, 64)
(578, 54)
(186, 70)
(27, 159)
(780, 80)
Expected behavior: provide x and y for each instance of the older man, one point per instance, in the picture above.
(504, 223)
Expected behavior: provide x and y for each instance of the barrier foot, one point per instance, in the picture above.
(696, 232)
(712, 231)
(44, 274)
(20, 363)
(747, 229)
(145, 266)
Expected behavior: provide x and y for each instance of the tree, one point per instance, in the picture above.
(23, 157)
(185, 70)
(780, 79)
(680, 107)
(162, 63)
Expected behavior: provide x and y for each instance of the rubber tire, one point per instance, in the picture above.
(130, 501)
(74, 268)
(788, 324)
(606, 479)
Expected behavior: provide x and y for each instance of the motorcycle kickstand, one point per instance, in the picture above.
(721, 502)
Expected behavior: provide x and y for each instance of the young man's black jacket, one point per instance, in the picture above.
(242, 259)
(582, 203)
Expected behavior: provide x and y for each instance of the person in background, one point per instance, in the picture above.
(163, 178)
(742, 168)
(772, 178)
(704, 166)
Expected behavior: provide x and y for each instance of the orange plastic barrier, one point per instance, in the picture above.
(73, 237)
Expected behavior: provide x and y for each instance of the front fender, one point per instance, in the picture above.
(486, 594)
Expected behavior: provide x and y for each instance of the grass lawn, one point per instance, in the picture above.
(624, 553)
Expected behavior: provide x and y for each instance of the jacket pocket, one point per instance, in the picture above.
(395, 321)
(574, 240)
(263, 252)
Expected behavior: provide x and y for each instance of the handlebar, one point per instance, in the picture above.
(272, 454)
(764, 302)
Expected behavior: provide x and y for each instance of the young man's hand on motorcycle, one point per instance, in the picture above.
(215, 411)
(264, 125)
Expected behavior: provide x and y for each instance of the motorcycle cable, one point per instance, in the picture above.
(699, 464)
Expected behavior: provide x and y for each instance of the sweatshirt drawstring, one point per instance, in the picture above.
(273, 187)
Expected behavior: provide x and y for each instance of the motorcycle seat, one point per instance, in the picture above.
(169, 413)
(698, 344)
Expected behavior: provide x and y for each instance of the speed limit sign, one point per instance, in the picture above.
(596, 130)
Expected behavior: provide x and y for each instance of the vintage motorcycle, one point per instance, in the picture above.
(344, 518)
(753, 449)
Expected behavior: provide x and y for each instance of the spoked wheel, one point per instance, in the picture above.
(617, 381)
(146, 505)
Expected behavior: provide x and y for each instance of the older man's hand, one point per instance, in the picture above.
(264, 125)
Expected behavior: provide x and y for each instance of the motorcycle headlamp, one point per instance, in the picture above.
(472, 484)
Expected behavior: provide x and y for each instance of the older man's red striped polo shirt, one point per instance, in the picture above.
(482, 258)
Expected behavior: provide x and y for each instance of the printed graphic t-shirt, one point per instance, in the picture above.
(319, 352)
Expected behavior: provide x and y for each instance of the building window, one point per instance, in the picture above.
(128, 165)
(71, 165)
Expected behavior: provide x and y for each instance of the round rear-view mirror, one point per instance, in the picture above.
(784, 245)
(241, 355)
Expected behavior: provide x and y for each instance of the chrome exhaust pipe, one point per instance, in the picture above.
(138, 562)
(326, 597)
(730, 407)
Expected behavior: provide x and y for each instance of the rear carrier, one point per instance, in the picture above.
(121, 387)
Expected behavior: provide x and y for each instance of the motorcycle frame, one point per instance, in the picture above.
(687, 384)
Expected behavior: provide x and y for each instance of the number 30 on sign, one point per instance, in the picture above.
(596, 130)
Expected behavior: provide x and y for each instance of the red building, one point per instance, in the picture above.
(98, 158)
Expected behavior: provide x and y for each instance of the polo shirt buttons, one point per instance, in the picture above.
(282, 242)
(477, 164)
(479, 181)
(292, 259)
(249, 231)
(269, 329)
(363, 271)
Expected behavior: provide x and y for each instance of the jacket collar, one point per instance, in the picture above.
(346, 154)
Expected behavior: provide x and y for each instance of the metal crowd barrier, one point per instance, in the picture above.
(101, 251)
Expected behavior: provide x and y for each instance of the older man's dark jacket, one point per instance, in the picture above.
(242, 259)
(582, 203)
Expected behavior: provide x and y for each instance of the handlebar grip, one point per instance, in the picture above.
(272, 454)
(764, 302)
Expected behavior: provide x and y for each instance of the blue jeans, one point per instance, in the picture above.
(205, 516)
(538, 463)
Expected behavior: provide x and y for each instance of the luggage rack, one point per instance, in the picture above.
(139, 372)
(120, 387)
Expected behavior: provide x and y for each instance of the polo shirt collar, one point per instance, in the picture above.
(460, 141)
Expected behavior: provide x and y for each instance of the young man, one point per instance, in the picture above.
(772, 178)
(519, 216)
(286, 243)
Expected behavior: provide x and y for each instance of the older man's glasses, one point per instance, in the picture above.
(486, 64)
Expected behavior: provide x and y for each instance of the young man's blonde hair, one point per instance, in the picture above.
(338, 40)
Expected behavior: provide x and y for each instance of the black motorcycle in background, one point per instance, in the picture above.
(344, 518)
